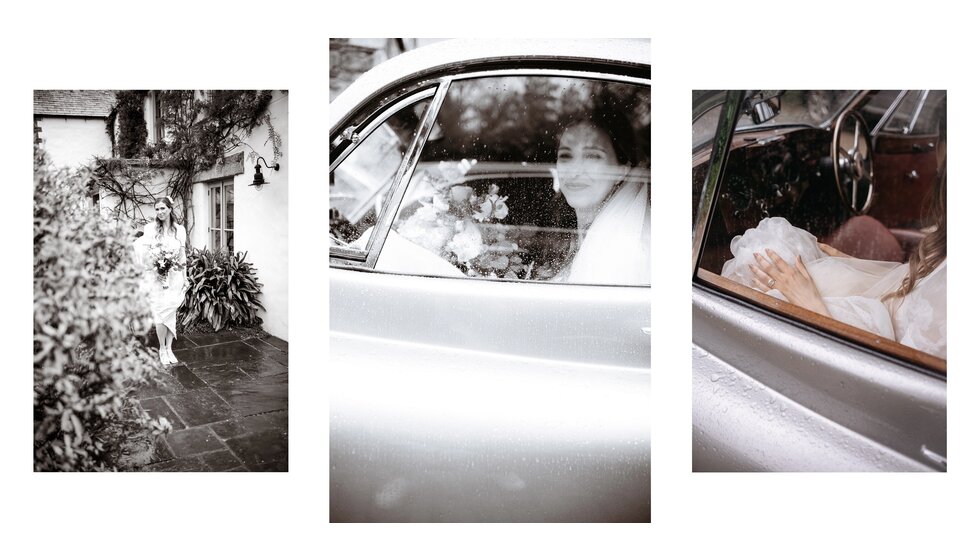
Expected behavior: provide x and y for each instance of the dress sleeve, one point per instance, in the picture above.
(920, 317)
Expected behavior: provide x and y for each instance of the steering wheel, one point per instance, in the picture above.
(853, 170)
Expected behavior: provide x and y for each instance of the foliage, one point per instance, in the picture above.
(200, 132)
(223, 290)
(87, 307)
(517, 119)
(128, 112)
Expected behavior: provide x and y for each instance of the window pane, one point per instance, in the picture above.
(215, 240)
(229, 189)
(359, 184)
(216, 208)
(531, 178)
(230, 241)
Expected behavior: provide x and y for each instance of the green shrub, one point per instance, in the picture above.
(223, 290)
(87, 307)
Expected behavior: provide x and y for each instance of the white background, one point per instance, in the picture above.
(280, 45)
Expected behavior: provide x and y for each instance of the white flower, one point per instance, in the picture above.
(467, 243)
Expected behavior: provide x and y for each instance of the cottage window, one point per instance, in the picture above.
(221, 202)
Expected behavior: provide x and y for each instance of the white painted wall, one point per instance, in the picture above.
(74, 141)
(261, 220)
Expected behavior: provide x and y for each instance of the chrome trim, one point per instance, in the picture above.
(719, 157)
(889, 112)
(404, 175)
(348, 253)
(378, 121)
(530, 71)
(918, 110)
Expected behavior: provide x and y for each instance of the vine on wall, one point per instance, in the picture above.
(200, 132)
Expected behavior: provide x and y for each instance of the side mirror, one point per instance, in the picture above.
(763, 105)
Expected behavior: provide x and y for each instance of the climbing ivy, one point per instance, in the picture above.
(201, 131)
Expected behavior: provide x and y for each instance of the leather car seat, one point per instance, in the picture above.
(866, 238)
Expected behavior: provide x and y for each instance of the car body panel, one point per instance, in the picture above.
(772, 396)
(429, 433)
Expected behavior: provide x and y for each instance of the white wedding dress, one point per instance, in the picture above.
(852, 288)
(616, 247)
(163, 302)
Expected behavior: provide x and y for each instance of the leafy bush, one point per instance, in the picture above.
(87, 307)
(223, 290)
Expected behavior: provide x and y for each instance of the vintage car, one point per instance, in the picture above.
(778, 387)
(469, 382)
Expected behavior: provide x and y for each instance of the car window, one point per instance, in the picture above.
(803, 107)
(530, 178)
(360, 183)
(779, 192)
(917, 113)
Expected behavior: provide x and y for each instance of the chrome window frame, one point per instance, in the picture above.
(369, 256)
(438, 88)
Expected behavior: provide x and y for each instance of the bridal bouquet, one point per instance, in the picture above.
(462, 226)
(163, 260)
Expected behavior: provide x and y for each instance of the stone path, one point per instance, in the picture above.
(227, 400)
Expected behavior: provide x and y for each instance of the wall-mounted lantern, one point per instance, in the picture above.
(259, 180)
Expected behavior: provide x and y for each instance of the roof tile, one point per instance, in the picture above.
(74, 102)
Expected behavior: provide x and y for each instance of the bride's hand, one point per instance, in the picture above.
(831, 251)
(794, 282)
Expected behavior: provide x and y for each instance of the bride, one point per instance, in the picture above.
(164, 294)
(902, 302)
(598, 178)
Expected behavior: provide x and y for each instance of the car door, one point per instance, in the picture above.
(778, 389)
(488, 396)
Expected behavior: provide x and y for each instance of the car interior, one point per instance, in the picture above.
(872, 206)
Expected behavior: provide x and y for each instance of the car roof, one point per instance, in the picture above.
(464, 51)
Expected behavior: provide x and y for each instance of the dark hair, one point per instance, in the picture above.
(605, 115)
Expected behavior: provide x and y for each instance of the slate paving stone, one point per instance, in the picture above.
(278, 466)
(181, 342)
(164, 384)
(249, 432)
(238, 427)
(186, 377)
(264, 367)
(220, 461)
(218, 354)
(200, 406)
(208, 339)
(266, 450)
(266, 349)
(141, 451)
(220, 375)
(277, 342)
(156, 406)
(193, 441)
(181, 464)
(255, 396)
(161, 451)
